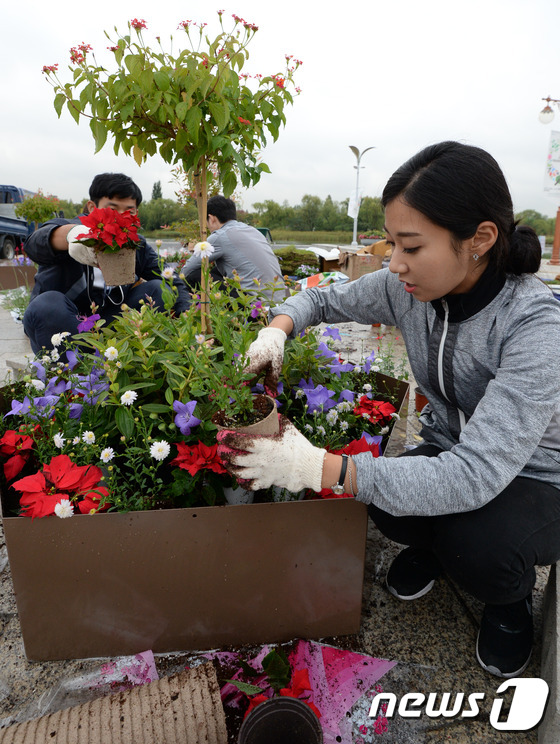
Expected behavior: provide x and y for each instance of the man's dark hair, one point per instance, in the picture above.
(223, 209)
(114, 185)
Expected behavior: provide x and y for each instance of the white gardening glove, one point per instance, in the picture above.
(286, 459)
(81, 253)
(267, 353)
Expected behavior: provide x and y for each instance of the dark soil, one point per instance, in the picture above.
(262, 406)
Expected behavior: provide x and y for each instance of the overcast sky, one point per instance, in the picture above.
(397, 75)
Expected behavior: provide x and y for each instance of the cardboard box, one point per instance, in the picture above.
(363, 260)
(117, 584)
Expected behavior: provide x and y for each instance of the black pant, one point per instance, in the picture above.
(492, 551)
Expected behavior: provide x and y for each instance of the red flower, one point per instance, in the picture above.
(375, 410)
(18, 448)
(298, 685)
(90, 504)
(243, 121)
(110, 227)
(198, 457)
(43, 490)
(254, 701)
(138, 23)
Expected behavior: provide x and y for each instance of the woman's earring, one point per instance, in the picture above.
(475, 256)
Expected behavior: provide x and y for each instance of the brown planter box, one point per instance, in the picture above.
(190, 579)
(180, 579)
(13, 275)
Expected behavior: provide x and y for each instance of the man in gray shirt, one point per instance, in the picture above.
(241, 248)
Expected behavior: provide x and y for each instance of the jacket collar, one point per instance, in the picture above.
(464, 306)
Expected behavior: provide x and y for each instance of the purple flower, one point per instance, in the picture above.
(369, 361)
(56, 386)
(346, 395)
(338, 367)
(373, 439)
(324, 351)
(332, 333)
(45, 404)
(255, 309)
(72, 358)
(87, 322)
(19, 408)
(184, 420)
(320, 399)
(259, 389)
(41, 371)
(75, 410)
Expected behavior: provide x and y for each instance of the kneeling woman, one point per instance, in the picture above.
(480, 498)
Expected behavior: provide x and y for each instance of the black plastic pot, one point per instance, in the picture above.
(281, 720)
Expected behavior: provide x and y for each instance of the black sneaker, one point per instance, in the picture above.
(413, 573)
(505, 638)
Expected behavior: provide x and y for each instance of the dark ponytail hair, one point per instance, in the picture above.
(457, 187)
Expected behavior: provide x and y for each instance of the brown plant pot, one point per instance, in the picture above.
(420, 400)
(266, 426)
(14, 275)
(117, 268)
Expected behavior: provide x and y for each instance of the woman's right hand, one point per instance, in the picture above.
(266, 354)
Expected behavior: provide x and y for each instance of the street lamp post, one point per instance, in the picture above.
(545, 117)
(358, 155)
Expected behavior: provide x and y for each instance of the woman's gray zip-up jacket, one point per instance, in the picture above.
(492, 379)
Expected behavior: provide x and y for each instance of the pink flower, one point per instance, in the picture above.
(138, 23)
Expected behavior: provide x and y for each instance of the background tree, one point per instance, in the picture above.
(38, 208)
(156, 190)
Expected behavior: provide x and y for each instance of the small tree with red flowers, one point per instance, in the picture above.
(195, 107)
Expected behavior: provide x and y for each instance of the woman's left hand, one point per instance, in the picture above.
(286, 459)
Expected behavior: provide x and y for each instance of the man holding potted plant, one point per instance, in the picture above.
(69, 280)
(238, 248)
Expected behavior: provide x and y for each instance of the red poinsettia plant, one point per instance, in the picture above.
(62, 488)
(110, 230)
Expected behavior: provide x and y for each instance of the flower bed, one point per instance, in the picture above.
(118, 435)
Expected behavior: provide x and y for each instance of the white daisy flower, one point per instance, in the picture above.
(299, 393)
(203, 249)
(167, 273)
(332, 416)
(344, 425)
(321, 430)
(64, 509)
(88, 437)
(128, 398)
(55, 356)
(199, 338)
(159, 450)
(58, 338)
(58, 440)
(76, 440)
(107, 454)
(357, 368)
(308, 427)
(111, 353)
(37, 384)
(384, 430)
(367, 387)
(375, 368)
(45, 359)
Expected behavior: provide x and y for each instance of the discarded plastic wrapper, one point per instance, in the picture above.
(324, 279)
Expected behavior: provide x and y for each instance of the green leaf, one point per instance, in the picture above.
(245, 686)
(99, 132)
(229, 182)
(277, 668)
(155, 408)
(138, 154)
(124, 421)
(181, 109)
(161, 80)
(182, 140)
(169, 396)
(192, 122)
(220, 114)
(74, 108)
(59, 100)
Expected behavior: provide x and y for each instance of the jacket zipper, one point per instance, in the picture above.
(462, 417)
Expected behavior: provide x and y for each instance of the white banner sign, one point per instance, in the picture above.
(552, 174)
(354, 204)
